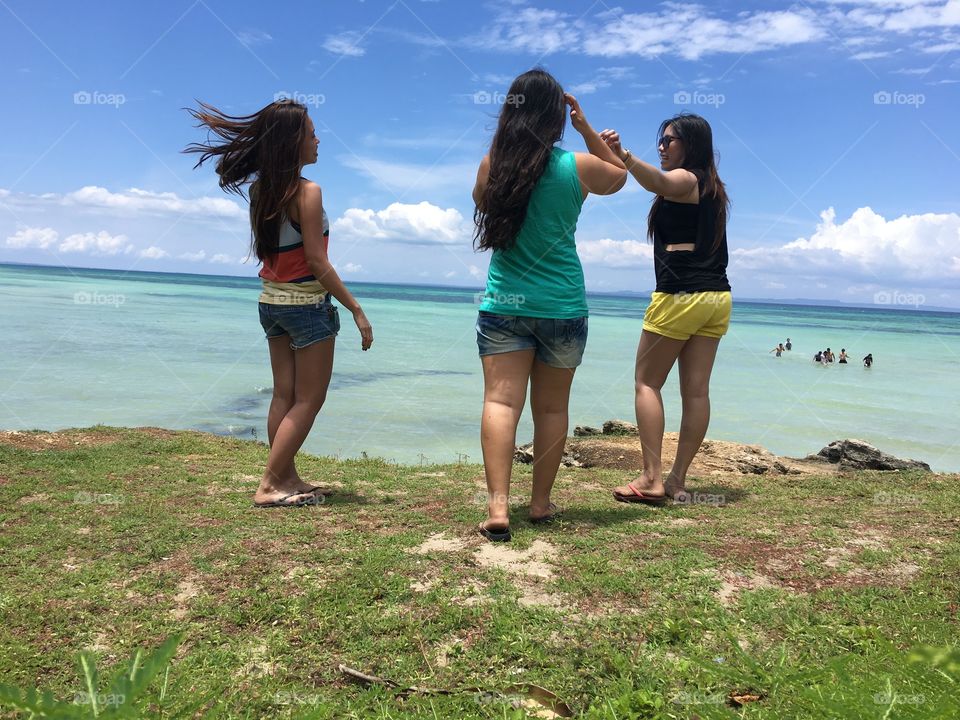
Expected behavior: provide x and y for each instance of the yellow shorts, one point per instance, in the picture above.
(681, 315)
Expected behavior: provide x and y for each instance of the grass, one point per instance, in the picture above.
(793, 595)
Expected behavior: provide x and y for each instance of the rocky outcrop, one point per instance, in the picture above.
(617, 447)
(859, 455)
(619, 427)
(523, 454)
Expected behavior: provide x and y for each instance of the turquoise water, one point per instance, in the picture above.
(186, 351)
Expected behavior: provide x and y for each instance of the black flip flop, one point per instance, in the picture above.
(309, 499)
(554, 513)
(495, 534)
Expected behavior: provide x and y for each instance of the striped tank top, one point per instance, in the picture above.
(287, 278)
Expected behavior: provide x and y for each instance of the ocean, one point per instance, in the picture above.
(187, 352)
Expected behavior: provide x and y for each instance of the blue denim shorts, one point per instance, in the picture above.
(305, 324)
(558, 343)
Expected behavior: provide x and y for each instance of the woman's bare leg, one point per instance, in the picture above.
(505, 378)
(284, 378)
(313, 366)
(696, 363)
(549, 401)
(656, 355)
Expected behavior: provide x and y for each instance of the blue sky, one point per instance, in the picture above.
(835, 121)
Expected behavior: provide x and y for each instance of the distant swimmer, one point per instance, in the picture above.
(868, 360)
(828, 355)
(778, 350)
(843, 356)
(818, 357)
(789, 345)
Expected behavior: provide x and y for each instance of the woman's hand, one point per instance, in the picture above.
(612, 139)
(365, 328)
(577, 118)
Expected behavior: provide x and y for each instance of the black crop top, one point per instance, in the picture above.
(697, 270)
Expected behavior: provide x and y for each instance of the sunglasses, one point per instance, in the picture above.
(665, 140)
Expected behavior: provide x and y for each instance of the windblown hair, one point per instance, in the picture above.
(699, 158)
(531, 122)
(263, 150)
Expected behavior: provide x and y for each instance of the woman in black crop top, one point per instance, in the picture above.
(690, 309)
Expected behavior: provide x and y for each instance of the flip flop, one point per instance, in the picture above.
(640, 496)
(495, 534)
(320, 490)
(308, 499)
(554, 513)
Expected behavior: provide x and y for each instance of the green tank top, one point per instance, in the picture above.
(541, 276)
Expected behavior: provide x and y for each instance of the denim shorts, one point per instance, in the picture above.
(558, 343)
(305, 324)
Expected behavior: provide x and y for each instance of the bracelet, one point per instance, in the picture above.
(627, 156)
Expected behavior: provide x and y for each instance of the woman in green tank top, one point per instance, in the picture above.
(532, 325)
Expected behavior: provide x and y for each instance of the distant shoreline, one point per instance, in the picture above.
(624, 294)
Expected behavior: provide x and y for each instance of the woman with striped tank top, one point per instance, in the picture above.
(290, 233)
(532, 325)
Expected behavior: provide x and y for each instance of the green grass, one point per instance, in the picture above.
(806, 593)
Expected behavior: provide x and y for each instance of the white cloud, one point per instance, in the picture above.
(477, 273)
(101, 243)
(866, 245)
(222, 259)
(131, 202)
(352, 268)
(528, 30)
(345, 43)
(254, 37)
(690, 32)
(616, 253)
(193, 256)
(32, 237)
(450, 274)
(420, 224)
(135, 200)
(400, 178)
(154, 253)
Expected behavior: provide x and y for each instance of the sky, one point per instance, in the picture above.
(835, 123)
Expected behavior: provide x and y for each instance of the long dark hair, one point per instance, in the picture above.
(697, 139)
(531, 122)
(262, 149)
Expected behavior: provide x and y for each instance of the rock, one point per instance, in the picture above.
(853, 454)
(585, 430)
(523, 454)
(619, 427)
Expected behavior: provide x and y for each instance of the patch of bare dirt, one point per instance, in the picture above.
(528, 569)
(62, 440)
(438, 542)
